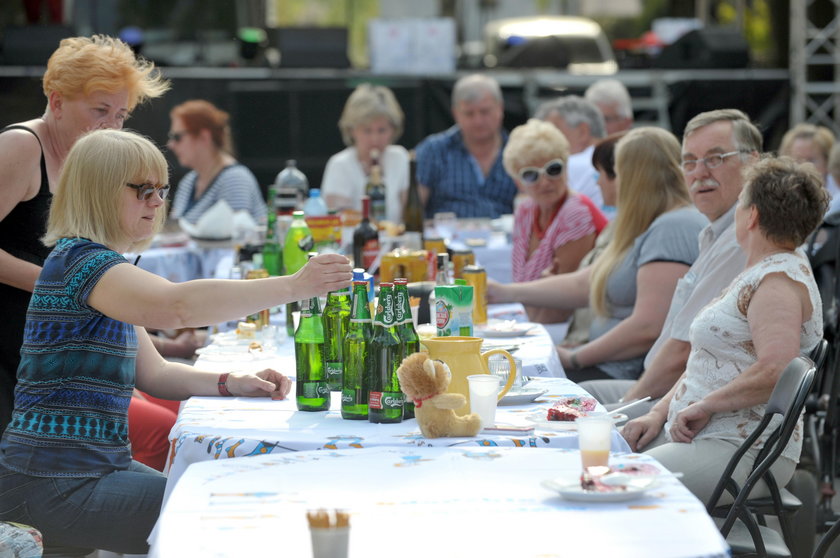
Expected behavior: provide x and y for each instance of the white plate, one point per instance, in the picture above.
(521, 397)
(505, 329)
(537, 418)
(570, 489)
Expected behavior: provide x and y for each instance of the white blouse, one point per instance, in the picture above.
(722, 348)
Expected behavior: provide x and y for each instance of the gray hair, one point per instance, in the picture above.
(610, 92)
(745, 134)
(574, 110)
(366, 103)
(473, 87)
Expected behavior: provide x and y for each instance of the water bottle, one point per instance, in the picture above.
(292, 188)
(315, 206)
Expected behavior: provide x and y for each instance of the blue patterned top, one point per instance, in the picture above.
(455, 180)
(76, 373)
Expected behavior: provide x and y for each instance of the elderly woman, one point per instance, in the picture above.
(741, 342)
(630, 285)
(89, 83)
(371, 121)
(199, 135)
(554, 228)
(65, 462)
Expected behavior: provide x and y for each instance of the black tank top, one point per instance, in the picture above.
(20, 235)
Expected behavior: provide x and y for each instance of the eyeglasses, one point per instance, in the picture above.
(711, 162)
(552, 169)
(145, 190)
(176, 136)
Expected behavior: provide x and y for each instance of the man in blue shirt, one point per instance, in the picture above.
(460, 170)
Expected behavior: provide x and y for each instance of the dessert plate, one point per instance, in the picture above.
(569, 488)
(537, 418)
(505, 328)
(522, 396)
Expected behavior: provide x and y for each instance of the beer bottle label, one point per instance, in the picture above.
(391, 400)
(399, 307)
(314, 390)
(348, 396)
(375, 400)
(335, 370)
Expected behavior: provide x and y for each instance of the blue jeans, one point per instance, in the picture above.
(115, 512)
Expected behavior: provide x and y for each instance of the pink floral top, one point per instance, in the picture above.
(722, 348)
(572, 222)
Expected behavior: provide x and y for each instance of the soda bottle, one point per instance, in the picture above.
(365, 239)
(336, 320)
(385, 401)
(311, 390)
(441, 278)
(405, 330)
(295, 249)
(354, 392)
(413, 210)
(375, 190)
(292, 187)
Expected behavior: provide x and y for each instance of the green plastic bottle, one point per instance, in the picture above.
(295, 249)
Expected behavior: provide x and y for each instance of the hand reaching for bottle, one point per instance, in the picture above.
(322, 274)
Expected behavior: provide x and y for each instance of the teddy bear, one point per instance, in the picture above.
(424, 381)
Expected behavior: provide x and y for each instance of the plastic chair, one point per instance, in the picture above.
(743, 533)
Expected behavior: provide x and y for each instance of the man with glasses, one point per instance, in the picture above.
(583, 125)
(460, 170)
(717, 145)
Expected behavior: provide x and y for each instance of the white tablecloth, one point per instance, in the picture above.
(187, 262)
(462, 501)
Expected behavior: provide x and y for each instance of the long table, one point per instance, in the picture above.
(439, 501)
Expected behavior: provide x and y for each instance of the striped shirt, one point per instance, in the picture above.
(456, 182)
(76, 373)
(572, 222)
(235, 184)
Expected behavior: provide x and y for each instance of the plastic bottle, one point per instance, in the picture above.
(315, 206)
(297, 244)
(292, 188)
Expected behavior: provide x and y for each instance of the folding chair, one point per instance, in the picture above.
(743, 533)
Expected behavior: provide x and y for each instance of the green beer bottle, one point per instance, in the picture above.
(271, 252)
(336, 319)
(385, 401)
(410, 341)
(354, 393)
(312, 391)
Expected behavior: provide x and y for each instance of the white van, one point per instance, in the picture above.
(576, 44)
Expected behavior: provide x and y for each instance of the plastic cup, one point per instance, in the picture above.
(330, 542)
(484, 393)
(500, 367)
(595, 439)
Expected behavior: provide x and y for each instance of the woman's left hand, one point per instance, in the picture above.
(265, 383)
(689, 422)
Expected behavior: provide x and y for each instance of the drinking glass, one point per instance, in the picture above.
(595, 438)
(484, 394)
(499, 366)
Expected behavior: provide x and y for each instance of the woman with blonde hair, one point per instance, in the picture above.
(554, 227)
(90, 83)
(370, 122)
(65, 461)
(629, 286)
(199, 135)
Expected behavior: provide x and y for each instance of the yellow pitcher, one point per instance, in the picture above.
(463, 356)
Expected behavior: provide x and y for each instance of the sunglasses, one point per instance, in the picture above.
(176, 136)
(552, 169)
(145, 190)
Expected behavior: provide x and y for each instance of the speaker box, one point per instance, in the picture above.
(712, 47)
(312, 47)
(32, 45)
